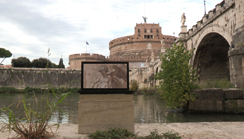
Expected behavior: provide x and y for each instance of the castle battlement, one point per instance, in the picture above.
(87, 56)
(136, 48)
(219, 9)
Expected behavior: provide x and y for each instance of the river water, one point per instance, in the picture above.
(147, 109)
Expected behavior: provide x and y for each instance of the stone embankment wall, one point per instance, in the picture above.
(236, 63)
(143, 76)
(218, 100)
(39, 78)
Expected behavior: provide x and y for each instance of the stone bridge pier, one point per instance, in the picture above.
(218, 43)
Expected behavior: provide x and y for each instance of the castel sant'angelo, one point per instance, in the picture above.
(144, 45)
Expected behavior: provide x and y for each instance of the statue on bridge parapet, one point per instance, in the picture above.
(183, 19)
(163, 49)
(183, 26)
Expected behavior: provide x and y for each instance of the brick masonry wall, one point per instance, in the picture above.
(38, 78)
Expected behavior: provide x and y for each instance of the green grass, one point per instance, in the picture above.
(113, 133)
(117, 133)
(224, 83)
(9, 90)
(37, 90)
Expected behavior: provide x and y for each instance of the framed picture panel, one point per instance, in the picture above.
(105, 76)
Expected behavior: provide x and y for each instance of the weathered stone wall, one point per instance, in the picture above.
(236, 62)
(218, 100)
(76, 59)
(144, 76)
(212, 36)
(38, 78)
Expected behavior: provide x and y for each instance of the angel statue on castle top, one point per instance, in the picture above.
(145, 19)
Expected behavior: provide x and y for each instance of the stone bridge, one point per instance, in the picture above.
(218, 40)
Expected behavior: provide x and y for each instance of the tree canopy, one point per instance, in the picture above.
(36, 63)
(61, 63)
(43, 63)
(177, 76)
(21, 62)
(4, 54)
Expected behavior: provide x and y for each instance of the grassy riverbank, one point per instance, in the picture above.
(37, 90)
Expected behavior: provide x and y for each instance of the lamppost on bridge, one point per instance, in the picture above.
(204, 7)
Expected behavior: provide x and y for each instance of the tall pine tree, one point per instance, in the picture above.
(61, 64)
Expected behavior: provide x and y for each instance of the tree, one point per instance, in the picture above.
(43, 63)
(4, 54)
(177, 77)
(21, 62)
(61, 64)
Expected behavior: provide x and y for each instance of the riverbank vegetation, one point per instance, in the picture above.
(37, 113)
(223, 84)
(117, 133)
(134, 86)
(38, 90)
(177, 77)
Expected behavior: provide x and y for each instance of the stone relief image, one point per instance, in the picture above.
(104, 76)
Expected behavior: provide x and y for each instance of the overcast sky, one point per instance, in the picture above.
(29, 27)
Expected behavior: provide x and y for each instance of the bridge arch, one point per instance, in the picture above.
(211, 54)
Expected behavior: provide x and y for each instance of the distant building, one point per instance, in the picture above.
(137, 49)
(5, 66)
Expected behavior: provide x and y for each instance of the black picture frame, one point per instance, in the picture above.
(116, 73)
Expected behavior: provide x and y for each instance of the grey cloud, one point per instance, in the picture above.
(34, 23)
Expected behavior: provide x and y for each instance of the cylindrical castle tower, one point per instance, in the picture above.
(76, 59)
(140, 46)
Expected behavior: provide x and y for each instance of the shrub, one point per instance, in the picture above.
(171, 135)
(117, 133)
(154, 135)
(223, 83)
(134, 86)
(113, 133)
(32, 90)
(37, 114)
(8, 90)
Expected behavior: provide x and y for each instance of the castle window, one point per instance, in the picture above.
(145, 30)
(148, 36)
(151, 31)
(139, 30)
(157, 32)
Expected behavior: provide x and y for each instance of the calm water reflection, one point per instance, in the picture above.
(147, 109)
